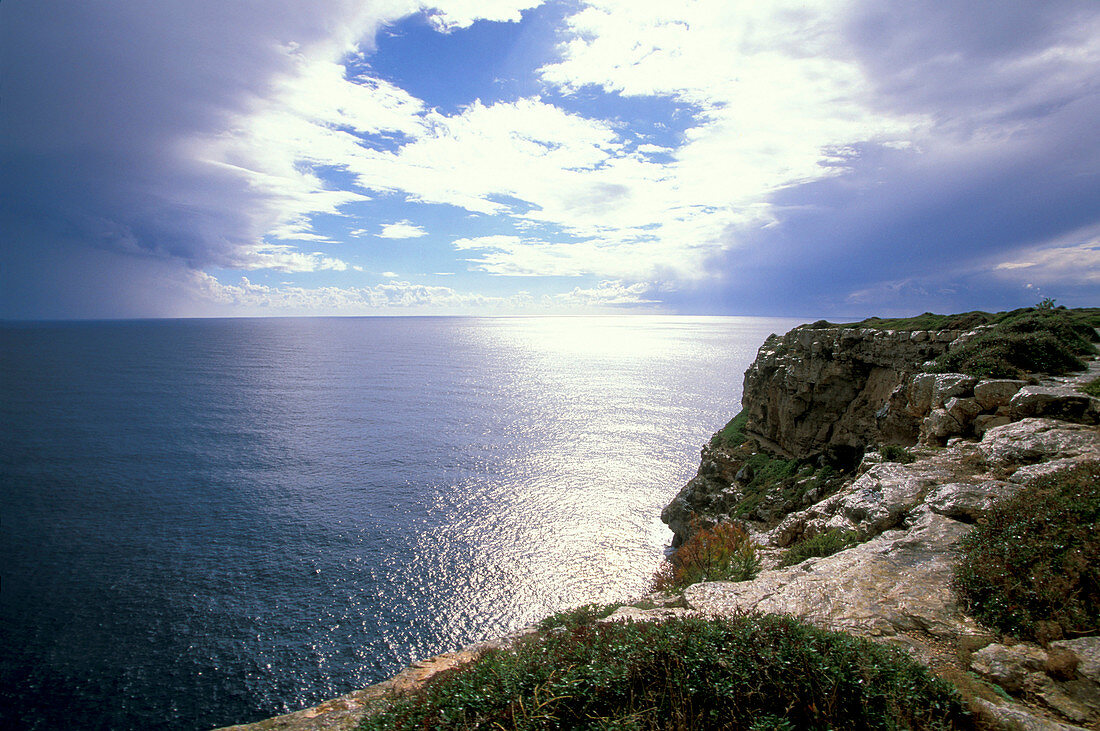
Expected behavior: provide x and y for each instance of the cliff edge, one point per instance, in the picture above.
(862, 433)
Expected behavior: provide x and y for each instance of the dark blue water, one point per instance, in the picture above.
(213, 521)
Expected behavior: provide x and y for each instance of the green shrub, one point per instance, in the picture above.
(721, 553)
(1031, 341)
(894, 453)
(732, 434)
(1092, 388)
(686, 673)
(1037, 558)
(578, 616)
(783, 485)
(831, 541)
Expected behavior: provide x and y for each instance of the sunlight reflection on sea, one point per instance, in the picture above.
(208, 522)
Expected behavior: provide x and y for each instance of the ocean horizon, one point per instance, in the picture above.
(212, 521)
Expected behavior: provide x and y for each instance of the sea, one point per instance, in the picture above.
(213, 521)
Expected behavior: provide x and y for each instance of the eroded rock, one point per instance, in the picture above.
(1008, 667)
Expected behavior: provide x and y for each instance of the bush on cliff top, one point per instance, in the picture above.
(751, 672)
(1085, 317)
(1034, 341)
(723, 552)
(1034, 566)
(824, 544)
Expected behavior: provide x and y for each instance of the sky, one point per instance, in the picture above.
(839, 158)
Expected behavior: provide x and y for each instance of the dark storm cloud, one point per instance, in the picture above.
(99, 99)
(1010, 160)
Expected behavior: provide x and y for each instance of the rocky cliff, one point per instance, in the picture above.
(836, 396)
(823, 396)
(819, 389)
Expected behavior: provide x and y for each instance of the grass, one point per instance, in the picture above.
(1033, 569)
(751, 672)
(831, 541)
(732, 434)
(785, 483)
(723, 552)
(1051, 341)
(1085, 316)
(894, 453)
(570, 618)
(1092, 388)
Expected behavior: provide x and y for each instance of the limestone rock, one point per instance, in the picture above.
(635, 614)
(899, 581)
(968, 501)
(991, 394)
(812, 389)
(962, 410)
(1077, 701)
(1056, 402)
(985, 422)
(950, 385)
(920, 393)
(938, 426)
(1029, 473)
(1013, 717)
(1008, 667)
(1037, 440)
(1087, 652)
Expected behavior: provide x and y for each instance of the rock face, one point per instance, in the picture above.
(812, 389)
(896, 585)
(813, 392)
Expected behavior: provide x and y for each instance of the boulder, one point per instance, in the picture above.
(1008, 667)
(1087, 652)
(920, 393)
(962, 410)
(968, 501)
(1037, 440)
(985, 422)
(991, 394)
(938, 426)
(949, 385)
(1057, 402)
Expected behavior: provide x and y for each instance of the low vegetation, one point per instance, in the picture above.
(1040, 339)
(1092, 388)
(723, 552)
(1036, 341)
(732, 434)
(778, 486)
(895, 453)
(578, 616)
(1087, 316)
(1033, 569)
(831, 541)
(752, 672)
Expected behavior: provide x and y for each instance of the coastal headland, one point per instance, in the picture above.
(870, 465)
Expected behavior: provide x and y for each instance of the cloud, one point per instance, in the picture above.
(768, 114)
(462, 13)
(192, 132)
(819, 149)
(608, 293)
(403, 297)
(1064, 265)
(401, 230)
